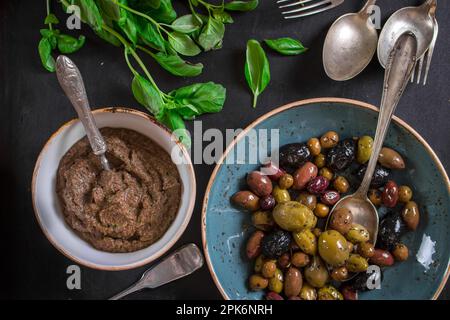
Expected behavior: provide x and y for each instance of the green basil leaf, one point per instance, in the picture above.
(51, 36)
(212, 34)
(149, 35)
(90, 13)
(128, 25)
(241, 5)
(45, 52)
(177, 66)
(222, 16)
(147, 95)
(257, 70)
(175, 122)
(68, 44)
(286, 46)
(206, 97)
(108, 37)
(186, 24)
(183, 44)
(164, 13)
(110, 9)
(51, 19)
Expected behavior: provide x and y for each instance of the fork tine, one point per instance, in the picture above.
(314, 5)
(308, 13)
(419, 73)
(414, 71)
(430, 52)
(297, 3)
(281, 1)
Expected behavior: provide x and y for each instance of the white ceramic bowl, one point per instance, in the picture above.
(48, 211)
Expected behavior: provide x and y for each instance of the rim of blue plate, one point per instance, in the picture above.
(296, 104)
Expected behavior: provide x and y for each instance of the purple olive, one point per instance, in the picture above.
(267, 203)
(330, 197)
(318, 185)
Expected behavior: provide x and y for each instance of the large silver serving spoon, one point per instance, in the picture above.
(70, 79)
(398, 72)
(417, 20)
(350, 44)
(179, 264)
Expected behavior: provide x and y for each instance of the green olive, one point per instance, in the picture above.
(257, 282)
(366, 249)
(294, 216)
(316, 273)
(314, 146)
(321, 210)
(411, 215)
(306, 240)
(300, 259)
(286, 181)
(365, 145)
(341, 184)
(276, 282)
(308, 293)
(329, 140)
(319, 160)
(357, 234)
(329, 293)
(269, 268)
(263, 220)
(281, 195)
(374, 196)
(308, 199)
(356, 263)
(339, 274)
(404, 194)
(259, 263)
(326, 173)
(333, 248)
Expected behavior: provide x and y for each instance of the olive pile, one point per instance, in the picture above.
(294, 257)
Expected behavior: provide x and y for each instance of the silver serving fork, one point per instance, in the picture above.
(428, 55)
(307, 7)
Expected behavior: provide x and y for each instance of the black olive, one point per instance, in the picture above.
(380, 176)
(276, 243)
(361, 281)
(294, 155)
(342, 155)
(391, 229)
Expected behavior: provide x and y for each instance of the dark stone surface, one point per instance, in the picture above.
(33, 107)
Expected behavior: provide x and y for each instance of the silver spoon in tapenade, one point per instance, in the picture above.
(70, 79)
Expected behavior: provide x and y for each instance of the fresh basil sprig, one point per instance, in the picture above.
(257, 70)
(286, 46)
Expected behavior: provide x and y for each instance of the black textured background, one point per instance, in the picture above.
(33, 107)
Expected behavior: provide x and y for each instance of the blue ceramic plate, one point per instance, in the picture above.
(225, 228)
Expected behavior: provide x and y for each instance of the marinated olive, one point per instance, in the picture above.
(267, 202)
(382, 258)
(320, 160)
(257, 282)
(308, 293)
(284, 261)
(357, 234)
(356, 263)
(263, 220)
(259, 263)
(366, 249)
(259, 183)
(316, 273)
(374, 196)
(339, 274)
(280, 195)
(349, 293)
(318, 185)
(365, 145)
(294, 155)
(333, 248)
(306, 240)
(341, 184)
(390, 230)
(246, 200)
(308, 200)
(314, 146)
(268, 269)
(351, 246)
(321, 210)
(276, 282)
(329, 140)
(400, 252)
(253, 248)
(404, 194)
(389, 196)
(411, 215)
(272, 170)
(326, 173)
(304, 174)
(300, 259)
(286, 181)
(341, 156)
(341, 220)
(329, 293)
(294, 216)
(275, 243)
(317, 232)
(273, 296)
(330, 197)
(380, 176)
(292, 282)
(391, 159)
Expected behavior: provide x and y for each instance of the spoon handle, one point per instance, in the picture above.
(367, 6)
(70, 79)
(179, 264)
(398, 72)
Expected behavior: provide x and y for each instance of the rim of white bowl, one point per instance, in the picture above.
(167, 246)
